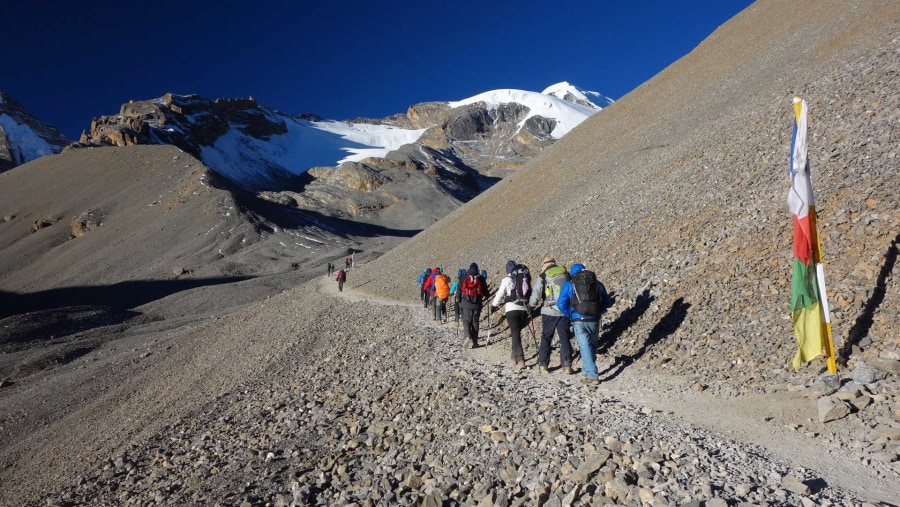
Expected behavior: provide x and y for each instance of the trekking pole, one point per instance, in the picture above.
(490, 323)
(531, 322)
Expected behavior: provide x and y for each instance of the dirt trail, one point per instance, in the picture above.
(783, 424)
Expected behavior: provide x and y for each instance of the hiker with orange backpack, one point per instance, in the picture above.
(514, 291)
(441, 295)
(472, 292)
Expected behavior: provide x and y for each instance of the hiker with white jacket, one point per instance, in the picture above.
(516, 311)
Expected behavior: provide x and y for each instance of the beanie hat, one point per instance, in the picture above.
(510, 265)
(473, 266)
(548, 260)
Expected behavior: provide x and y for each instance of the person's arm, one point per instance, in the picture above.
(562, 302)
(537, 292)
(501, 291)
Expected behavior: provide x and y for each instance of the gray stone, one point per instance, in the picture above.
(795, 485)
(831, 409)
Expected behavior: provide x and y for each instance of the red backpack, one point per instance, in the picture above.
(472, 289)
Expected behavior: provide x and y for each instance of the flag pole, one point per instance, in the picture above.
(827, 341)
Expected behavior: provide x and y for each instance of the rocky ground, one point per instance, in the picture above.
(402, 415)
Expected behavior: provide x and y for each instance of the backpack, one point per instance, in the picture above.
(471, 289)
(588, 300)
(554, 278)
(521, 279)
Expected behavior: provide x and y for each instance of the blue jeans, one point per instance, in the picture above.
(587, 333)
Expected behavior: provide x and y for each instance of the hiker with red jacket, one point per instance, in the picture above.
(341, 278)
(582, 299)
(472, 292)
(515, 289)
(429, 287)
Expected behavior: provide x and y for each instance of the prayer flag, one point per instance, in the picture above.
(809, 306)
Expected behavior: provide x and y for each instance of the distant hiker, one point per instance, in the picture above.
(422, 276)
(582, 299)
(455, 293)
(472, 292)
(546, 288)
(515, 289)
(442, 294)
(341, 278)
(347, 262)
(429, 287)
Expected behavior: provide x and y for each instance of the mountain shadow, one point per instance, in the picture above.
(119, 297)
(860, 329)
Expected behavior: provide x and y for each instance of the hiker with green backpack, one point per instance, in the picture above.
(582, 299)
(514, 291)
(547, 288)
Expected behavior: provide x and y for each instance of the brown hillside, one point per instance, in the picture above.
(679, 189)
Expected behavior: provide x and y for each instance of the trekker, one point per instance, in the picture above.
(514, 290)
(472, 291)
(454, 291)
(547, 288)
(441, 295)
(429, 287)
(422, 278)
(341, 278)
(582, 299)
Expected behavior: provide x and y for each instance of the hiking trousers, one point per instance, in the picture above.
(560, 324)
(517, 320)
(470, 318)
(587, 333)
(440, 308)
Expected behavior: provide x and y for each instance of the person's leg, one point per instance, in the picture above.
(516, 320)
(583, 334)
(548, 324)
(565, 341)
(467, 315)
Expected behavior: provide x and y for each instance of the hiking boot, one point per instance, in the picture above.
(567, 369)
(543, 369)
(520, 364)
(590, 381)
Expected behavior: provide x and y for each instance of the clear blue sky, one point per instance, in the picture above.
(68, 62)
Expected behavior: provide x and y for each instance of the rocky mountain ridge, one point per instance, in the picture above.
(462, 148)
(23, 137)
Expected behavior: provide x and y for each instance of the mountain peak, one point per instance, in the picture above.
(23, 137)
(567, 91)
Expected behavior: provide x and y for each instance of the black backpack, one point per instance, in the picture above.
(521, 279)
(588, 300)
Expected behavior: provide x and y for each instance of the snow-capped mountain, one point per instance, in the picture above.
(23, 137)
(461, 146)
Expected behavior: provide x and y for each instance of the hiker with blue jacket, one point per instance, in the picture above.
(582, 300)
(547, 287)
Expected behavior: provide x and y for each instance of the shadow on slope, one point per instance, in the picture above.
(264, 215)
(119, 297)
(665, 327)
(860, 329)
